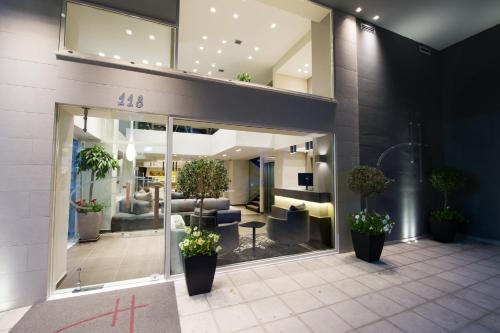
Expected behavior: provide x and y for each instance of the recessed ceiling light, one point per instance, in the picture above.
(145, 62)
(197, 62)
(273, 25)
(306, 71)
(250, 57)
(235, 15)
(224, 155)
(116, 56)
(224, 41)
(219, 51)
(159, 63)
(128, 32)
(152, 37)
(213, 65)
(299, 70)
(212, 10)
(202, 48)
(195, 70)
(256, 48)
(209, 73)
(101, 54)
(306, 65)
(359, 9)
(204, 37)
(376, 17)
(238, 150)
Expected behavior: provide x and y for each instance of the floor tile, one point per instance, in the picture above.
(313, 264)
(440, 264)
(491, 321)
(287, 325)
(381, 305)
(475, 328)
(270, 309)
(268, 272)
(478, 298)
(487, 289)
(427, 268)
(10, 318)
(301, 301)
(461, 306)
(423, 290)
(442, 316)
(328, 294)
(350, 270)
(352, 287)
(441, 284)
(354, 313)
(234, 318)
(494, 281)
(282, 284)
(324, 321)
(308, 279)
(192, 304)
(223, 297)
(411, 322)
(199, 323)
(330, 274)
(381, 326)
(393, 276)
(412, 272)
(403, 297)
(457, 278)
(374, 282)
(255, 290)
(243, 277)
(292, 267)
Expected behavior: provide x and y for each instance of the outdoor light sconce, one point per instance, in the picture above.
(322, 158)
(293, 149)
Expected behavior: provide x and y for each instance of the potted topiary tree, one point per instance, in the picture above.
(444, 221)
(368, 228)
(90, 213)
(201, 179)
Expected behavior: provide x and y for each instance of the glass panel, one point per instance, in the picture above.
(97, 32)
(282, 44)
(266, 176)
(116, 216)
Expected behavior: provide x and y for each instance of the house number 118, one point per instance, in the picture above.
(130, 101)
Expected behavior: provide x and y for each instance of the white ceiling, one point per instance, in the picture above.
(300, 64)
(436, 23)
(252, 27)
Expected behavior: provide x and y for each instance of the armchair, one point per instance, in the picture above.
(288, 227)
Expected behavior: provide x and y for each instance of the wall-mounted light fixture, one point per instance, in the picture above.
(309, 145)
(293, 149)
(85, 116)
(322, 158)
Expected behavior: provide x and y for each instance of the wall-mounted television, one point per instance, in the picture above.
(306, 179)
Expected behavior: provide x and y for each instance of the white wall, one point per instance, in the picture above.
(286, 169)
(238, 174)
(290, 83)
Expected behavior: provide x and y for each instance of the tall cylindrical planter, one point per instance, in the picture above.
(89, 226)
(443, 231)
(367, 247)
(199, 271)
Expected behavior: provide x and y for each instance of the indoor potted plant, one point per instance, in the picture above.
(201, 179)
(368, 228)
(444, 221)
(244, 77)
(90, 214)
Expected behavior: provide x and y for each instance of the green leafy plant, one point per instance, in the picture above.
(367, 181)
(199, 242)
(96, 160)
(371, 223)
(202, 179)
(245, 77)
(84, 207)
(447, 180)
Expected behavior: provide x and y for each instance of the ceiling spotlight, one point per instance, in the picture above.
(376, 17)
(238, 150)
(159, 63)
(204, 37)
(273, 25)
(195, 70)
(235, 15)
(358, 10)
(256, 48)
(224, 41)
(202, 48)
(299, 70)
(209, 73)
(306, 65)
(197, 62)
(212, 10)
(306, 71)
(128, 32)
(213, 65)
(224, 155)
(250, 57)
(219, 51)
(145, 62)
(116, 56)
(101, 54)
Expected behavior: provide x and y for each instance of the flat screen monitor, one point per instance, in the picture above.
(305, 179)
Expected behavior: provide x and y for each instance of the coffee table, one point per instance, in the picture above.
(254, 225)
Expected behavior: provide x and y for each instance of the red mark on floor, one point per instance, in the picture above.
(113, 313)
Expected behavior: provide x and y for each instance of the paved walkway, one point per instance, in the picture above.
(422, 286)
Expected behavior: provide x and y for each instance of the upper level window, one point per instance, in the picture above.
(283, 44)
(97, 32)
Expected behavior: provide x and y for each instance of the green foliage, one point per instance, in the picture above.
(97, 160)
(446, 180)
(199, 242)
(203, 179)
(84, 207)
(448, 215)
(371, 223)
(367, 181)
(245, 77)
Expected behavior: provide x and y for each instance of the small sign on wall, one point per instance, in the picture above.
(130, 102)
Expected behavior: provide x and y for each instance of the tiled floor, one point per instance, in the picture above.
(419, 287)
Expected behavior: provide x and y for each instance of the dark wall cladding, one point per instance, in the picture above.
(164, 10)
(399, 103)
(471, 109)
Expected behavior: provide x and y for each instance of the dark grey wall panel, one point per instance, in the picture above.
(399, 85)
(471, 106)
(163, 10)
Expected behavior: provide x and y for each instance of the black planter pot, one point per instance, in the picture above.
(199, 272)
(367, 247)
(443, 231)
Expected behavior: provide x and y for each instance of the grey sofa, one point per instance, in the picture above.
(137, 216)
(223, 214)
(288, 227)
